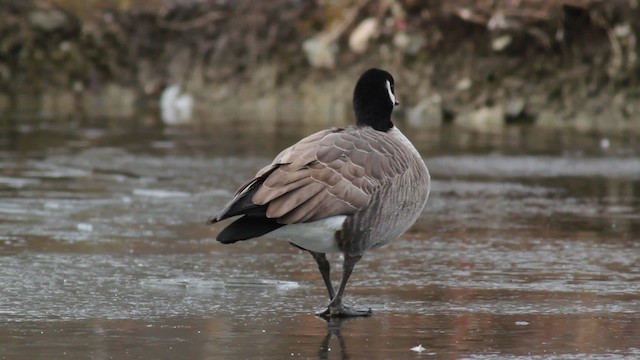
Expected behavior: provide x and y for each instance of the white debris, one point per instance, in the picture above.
(522, 323)
(418, 348)
(176, 107)
(17, 182)
(359, 38)
(604, 143)
(84, 227)
(160, 193)
(52, 205)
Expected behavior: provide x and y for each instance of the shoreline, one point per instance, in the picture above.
(572, 65)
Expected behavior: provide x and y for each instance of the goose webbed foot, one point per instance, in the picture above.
(344, 311)
(336, 309)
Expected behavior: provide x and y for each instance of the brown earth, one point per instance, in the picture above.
(479, 63)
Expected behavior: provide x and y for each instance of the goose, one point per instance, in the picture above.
(343, 189)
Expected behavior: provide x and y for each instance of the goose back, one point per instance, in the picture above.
(391, 210)
(376, 177)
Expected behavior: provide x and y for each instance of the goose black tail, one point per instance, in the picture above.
(254, 221)
(247, 227)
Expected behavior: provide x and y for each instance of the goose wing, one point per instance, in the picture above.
(332, 172)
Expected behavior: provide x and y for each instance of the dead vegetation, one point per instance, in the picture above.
(473, 53)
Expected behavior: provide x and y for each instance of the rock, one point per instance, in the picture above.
(515, 107)
(365, 31)
(408, 43)
(115, 101)
(319, 52)
(464, 84)
(47, 20)
(427, 112)
(484, 118)
(623, 30)
(57, 104)
(516, 112)
(448, 115)
(497, 22)
(500, 43)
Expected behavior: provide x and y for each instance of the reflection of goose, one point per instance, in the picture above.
(334, 329)
(342, 190)
(175, 107)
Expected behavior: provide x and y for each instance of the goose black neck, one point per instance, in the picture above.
(373, 116)
(372, 100)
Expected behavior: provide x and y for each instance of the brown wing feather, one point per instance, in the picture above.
(302, 212)
(292, 199)
(332, 172)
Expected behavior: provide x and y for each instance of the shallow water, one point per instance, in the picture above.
(529, 248)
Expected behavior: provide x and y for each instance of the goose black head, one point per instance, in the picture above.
(374, 99)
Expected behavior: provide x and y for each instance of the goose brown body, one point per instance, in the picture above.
(368, 181)
(363, 173)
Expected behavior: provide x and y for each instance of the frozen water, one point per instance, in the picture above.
(104, 253)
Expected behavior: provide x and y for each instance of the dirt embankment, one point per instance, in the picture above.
(480, 63)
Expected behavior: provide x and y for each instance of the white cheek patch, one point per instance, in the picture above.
(391, 96)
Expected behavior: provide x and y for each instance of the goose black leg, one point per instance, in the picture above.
(325, 270)
(336, 308)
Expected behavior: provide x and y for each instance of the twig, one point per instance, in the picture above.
(194, 23)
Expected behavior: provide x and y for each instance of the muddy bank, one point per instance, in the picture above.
(477, 63)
